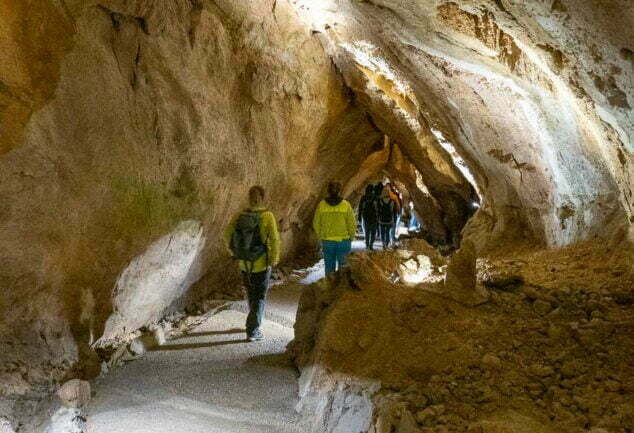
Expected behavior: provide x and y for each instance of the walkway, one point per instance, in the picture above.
(210, 381)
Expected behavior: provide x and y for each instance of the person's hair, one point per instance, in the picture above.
(334, 189)
(256, 195)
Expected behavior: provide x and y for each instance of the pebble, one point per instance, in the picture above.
(428, 415)
(596, 314)
(541, 370)
(612, 386)
(542, 307)
(491, 361)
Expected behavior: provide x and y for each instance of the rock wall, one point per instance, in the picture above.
(531, 95)
(127, 120)
(122, 120)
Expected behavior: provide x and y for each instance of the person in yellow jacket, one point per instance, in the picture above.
(253, 238)
(336, 227)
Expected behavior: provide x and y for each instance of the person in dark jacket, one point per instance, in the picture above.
(387, 217)
(378, 189)
(368, 216)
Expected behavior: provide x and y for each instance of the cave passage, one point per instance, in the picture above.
(443, 215)
(131, 132)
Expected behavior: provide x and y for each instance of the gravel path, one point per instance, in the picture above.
(210, 381)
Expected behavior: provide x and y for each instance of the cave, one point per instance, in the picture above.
(132, 130)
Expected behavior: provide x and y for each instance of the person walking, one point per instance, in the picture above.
(336, 227)
(368, 215)
(395, 195)
(378, 189)
(253, 238)
(413, 225)
(387, 217)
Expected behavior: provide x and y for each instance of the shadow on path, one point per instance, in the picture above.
(272, 360)
(197, 345)
(210, 333)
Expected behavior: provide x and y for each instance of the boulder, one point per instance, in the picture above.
(159, 336)
(75, 393)
(5, 426)
(67, 420)
(407, 424)
(542, 307)
(461, 280)
(491, 361)
(140, 345)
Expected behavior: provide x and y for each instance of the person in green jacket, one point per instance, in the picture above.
(336, 227)
(253, 238)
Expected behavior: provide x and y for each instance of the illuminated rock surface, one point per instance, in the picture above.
(123, 121)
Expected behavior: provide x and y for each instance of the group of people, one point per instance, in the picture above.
(380, 213)
(253, 238)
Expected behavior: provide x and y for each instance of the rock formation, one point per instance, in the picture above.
(419, 362)
(131, 130)
(117, 178)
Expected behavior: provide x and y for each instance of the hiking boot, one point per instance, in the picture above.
(256, 336)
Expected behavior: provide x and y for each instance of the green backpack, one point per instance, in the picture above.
(246, 242)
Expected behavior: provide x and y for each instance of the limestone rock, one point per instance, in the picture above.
(428, 352)
(510, 422)
(461, 270)
(120, 135)
(415, 270)
(429, 415)
(75, 393)
(541, 370)
(407, 424)
(159, 336)
(461, 280)
(139, 346)
(13, 383)
(5, 426)
(130, 133)
(542, 307)
(67, 420)
(491, 361)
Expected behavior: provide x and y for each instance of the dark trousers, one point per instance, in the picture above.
(385, 234)
(257, 285)
(369, 228)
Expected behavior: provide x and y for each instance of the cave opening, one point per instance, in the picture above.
(441, 216)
